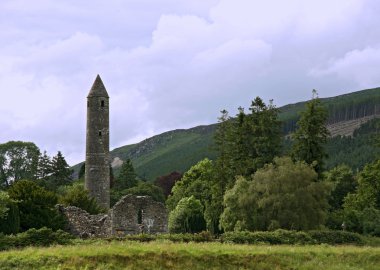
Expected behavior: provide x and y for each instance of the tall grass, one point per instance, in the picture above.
(168, 255)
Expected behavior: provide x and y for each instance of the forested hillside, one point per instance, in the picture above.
(178, 150)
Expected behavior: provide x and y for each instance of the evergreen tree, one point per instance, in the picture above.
(44, 168)
(36, 205)
(61, 173)
(127, 177)
(311, 135)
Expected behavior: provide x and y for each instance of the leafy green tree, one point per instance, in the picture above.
(9, 215)
(61, 173)
(368, 190)
(76, 195)
(311, 135)
(36, 205)
(127, 177)
(4, 199)
(18, 160)
(197, 182)
(240, 208)
(343, 182)
(187, 217)
(362, 207)
(280, 195)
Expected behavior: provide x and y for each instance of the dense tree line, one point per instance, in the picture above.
(249, 187)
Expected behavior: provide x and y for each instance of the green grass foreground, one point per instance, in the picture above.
(167, 255)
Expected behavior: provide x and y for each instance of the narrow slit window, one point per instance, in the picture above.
(102, 103)
(139, 216)
(100, 134)
(88, 104)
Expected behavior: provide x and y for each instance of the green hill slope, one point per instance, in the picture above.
(178, 150)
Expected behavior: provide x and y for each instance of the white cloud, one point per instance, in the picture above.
(359, 66)
(171, 63)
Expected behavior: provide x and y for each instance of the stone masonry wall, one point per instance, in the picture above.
(137, 214)
(131, 215)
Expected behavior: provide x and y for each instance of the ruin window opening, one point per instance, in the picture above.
(88, 104)
(102, 103)
(139, 216)
(100, 134)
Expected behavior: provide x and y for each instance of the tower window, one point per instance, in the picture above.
(102, 103)
(100, 134)
(88, 104)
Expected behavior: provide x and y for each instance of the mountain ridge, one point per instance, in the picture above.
(178, 150)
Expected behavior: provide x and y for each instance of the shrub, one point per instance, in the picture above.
(76, 195)
(274, 238)
(187, 217)
(10, 220)
(33, 237)
(36, 205)
(336, 237)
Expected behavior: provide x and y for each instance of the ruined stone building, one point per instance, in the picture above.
(132, 214)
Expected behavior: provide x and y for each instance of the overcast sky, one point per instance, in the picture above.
(171, 64)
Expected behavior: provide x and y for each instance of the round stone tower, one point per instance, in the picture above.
(97, 175)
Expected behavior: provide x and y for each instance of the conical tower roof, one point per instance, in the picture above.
(98, 89)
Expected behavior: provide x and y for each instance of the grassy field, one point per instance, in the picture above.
(167, 255)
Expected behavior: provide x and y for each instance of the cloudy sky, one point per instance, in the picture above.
(171, 64)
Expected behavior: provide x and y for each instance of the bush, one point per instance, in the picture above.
(76, 195)
(36, 206)
(336, 237)
(274, 238)
(33, 237)
(187, 217)
(10, 220)
(293, 237)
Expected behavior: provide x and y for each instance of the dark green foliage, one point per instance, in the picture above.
(9, 214)
(343, 182)
(368, 190)
(251, 140)
(283, 195)
(76, 195)
(44, 169)
(18, 160)
(36, 205)
(277, 237)
(187, 217)
(336, 237)
(127, 177)
(33, 237)
(311, 135)
(280, 237)
(61, 172)
(10, 224)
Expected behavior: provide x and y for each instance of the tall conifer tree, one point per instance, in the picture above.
(311, 135)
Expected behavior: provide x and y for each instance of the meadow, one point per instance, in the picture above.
(98, 254)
